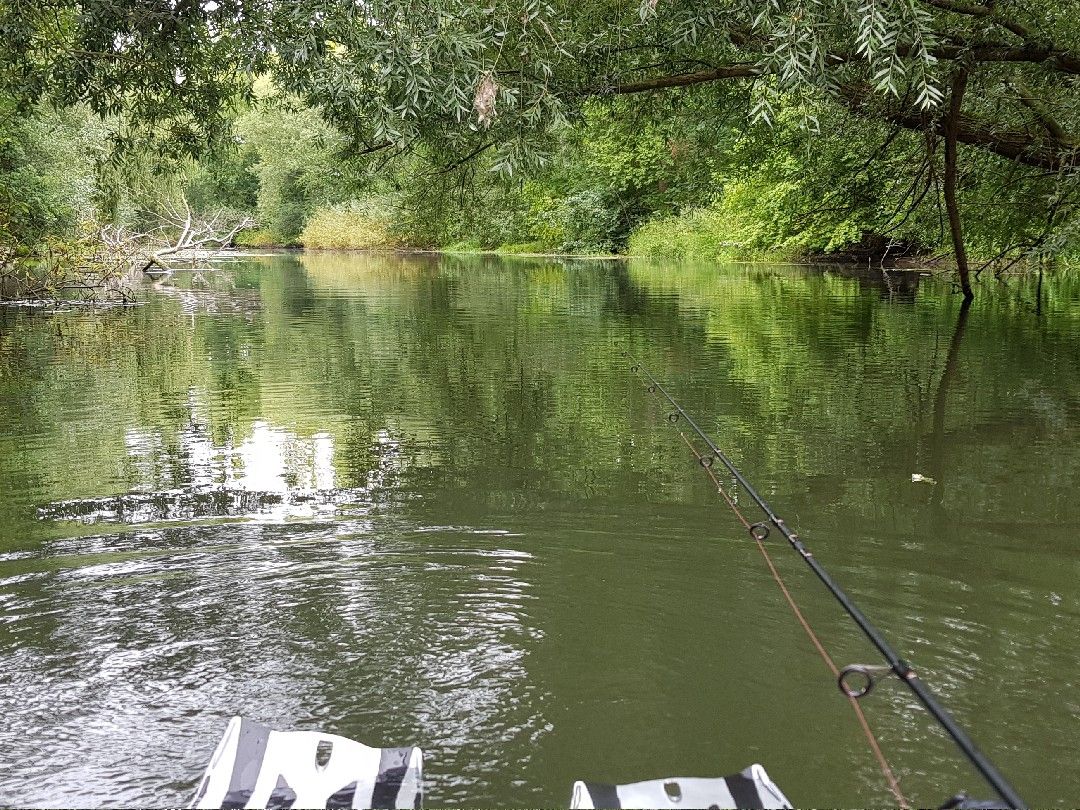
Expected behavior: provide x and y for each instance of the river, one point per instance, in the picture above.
(421, 500)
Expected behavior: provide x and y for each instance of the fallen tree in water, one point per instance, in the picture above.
(105, 263)
(181, 239)
(84, 268)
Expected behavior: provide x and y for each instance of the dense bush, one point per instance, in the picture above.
(47, 173)
(355, 224)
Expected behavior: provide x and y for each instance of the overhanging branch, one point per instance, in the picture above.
(987, 11)
(737, 71)
(1058, 58)
(1041, 113)
(1061, 61)
(1052, 152)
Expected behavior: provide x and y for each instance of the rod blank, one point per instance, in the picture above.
(898, 665)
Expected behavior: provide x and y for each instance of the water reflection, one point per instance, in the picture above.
(211, 292)
(422, 501)
(270, 472)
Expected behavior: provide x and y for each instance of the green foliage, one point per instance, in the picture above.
(46, 172)
(857, 190)
(701, 234)
(542, 122)
(590, 222)
(523, 248)
(226, 178)
(171, 72)
(295, 164)
(255, 238)
(459, 75)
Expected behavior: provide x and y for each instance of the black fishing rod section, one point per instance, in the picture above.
(897, 665)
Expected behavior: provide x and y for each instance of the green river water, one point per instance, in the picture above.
(423, 501)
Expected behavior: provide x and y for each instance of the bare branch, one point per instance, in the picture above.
(737, 71)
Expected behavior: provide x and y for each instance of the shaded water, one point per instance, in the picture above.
(422, 501)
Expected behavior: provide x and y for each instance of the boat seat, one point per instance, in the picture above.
(255, 766)
(752, 788)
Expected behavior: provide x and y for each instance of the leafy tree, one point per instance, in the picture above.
(170, 69)
(295, 158)
(46, 171)
(226, 178)
(468, 79)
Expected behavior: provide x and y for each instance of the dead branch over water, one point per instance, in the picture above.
(105, 263)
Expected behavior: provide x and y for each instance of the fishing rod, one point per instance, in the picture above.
(897, 665)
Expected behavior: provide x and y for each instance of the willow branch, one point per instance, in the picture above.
(1052, 153)
(1041, 113)
(457, 164)
(737, 71)
(985, 11)
(1048, 153)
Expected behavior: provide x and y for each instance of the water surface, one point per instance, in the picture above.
(422, 501)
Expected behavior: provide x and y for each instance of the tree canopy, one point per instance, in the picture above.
(502, 79)
(387, 71)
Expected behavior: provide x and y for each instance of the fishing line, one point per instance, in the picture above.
(759, 538)
(897, 665)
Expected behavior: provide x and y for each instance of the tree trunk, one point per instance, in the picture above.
(935, 462)
(952, 122)
(1038, 293)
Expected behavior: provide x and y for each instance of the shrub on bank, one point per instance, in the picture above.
(707, 234)
(256, 238)
(754, 219)
(524, 247)
(357, 224)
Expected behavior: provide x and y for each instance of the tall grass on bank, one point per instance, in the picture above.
(258, 238)
(356, 225)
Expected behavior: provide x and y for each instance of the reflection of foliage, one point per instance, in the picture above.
(812, 370)
(509, 372)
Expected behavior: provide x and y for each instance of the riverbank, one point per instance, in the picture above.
(925, 264)
(698, 236)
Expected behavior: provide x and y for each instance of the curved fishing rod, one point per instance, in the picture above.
(897, 665)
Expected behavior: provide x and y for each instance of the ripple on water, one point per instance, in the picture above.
(200, 504)
(421, 501)
(127, 684)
